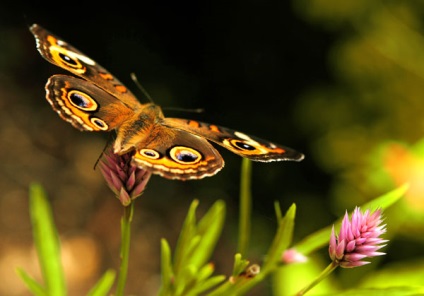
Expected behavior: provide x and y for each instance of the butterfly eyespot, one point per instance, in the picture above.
(242, 145)
(82, 101)
(185, 155)
(149, 153)
(99, 123)
(68, 60)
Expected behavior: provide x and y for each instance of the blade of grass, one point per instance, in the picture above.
(240, 264)
(104, 285)
(241, 284)
(186, 235)
(282, 239)
(195, 246)
(31, 284)
(166, 269)
(206, 285)
(209, 230)
(46, 241)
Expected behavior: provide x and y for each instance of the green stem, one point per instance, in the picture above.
(245, 206)
(125, 248)
(329, 269)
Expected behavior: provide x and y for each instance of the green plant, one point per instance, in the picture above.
(187, 270)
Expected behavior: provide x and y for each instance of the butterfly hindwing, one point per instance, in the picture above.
(176, 154)
(85, 105)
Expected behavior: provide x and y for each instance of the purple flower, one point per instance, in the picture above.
(126, 180)
(358, 239)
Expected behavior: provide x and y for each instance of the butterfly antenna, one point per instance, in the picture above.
(134, 78)
(143, 90)
(197, 110)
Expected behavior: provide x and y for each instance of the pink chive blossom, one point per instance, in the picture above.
(126, 180)
(358, 239)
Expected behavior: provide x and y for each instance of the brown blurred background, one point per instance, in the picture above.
(340, 81)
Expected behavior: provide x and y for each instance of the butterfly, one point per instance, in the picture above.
(174, 148)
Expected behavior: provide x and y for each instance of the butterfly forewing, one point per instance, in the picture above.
(64, 55)
(240, 143)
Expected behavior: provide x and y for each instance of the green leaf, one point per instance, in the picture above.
(186, 235)
(321, 237)
(241, 284)
(278, 212)
(393, 291)
(103, 286)
(32, 285)
(205, 272)
(206, 285)
(209, 229)
(290, 278)
(197, 242)
(240, 264)
(166, 269)
(191, 271)
(282, 239)
(46, 242)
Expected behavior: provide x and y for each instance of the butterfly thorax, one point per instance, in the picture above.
(140, 129)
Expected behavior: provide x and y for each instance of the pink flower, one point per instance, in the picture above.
(358, 239)
(293, 256)
(126, 180)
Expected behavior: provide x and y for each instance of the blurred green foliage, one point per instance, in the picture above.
(366, 125)
(377, 65)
